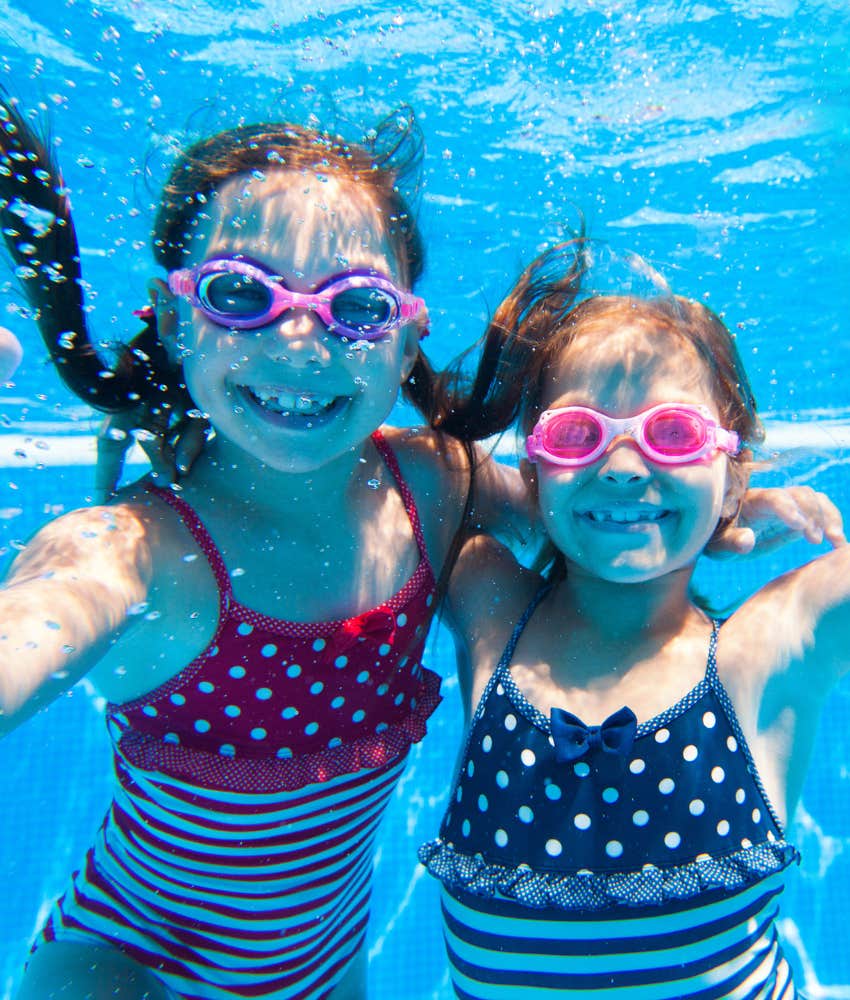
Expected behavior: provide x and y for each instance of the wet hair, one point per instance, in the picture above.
(542, 316)
(41, 240)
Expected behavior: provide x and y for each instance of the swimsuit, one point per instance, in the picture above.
(236, 857)
(651, 872)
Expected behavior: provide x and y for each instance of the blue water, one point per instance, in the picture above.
(710, 137)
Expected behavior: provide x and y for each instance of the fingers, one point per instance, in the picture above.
(11, 354)
(781, 515)
(735, 541)
(190, 443)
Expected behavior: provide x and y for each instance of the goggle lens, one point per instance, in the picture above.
(232, 294)
(572, 436)
(675, 432)
(365, 309)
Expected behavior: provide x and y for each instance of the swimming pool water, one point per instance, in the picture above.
(709, 137)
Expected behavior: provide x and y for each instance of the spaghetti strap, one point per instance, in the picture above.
(189, 517)
(390, 460)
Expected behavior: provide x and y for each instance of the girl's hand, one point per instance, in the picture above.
(770, 518)
(171, 450)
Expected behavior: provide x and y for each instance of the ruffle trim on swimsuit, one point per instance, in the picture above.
(600, 891)
(274, 774)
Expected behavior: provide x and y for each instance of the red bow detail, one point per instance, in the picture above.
(379, 626)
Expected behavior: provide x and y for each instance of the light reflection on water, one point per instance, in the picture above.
(709, 137)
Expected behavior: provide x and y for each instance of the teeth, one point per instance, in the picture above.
(286, 401)
(631, 516)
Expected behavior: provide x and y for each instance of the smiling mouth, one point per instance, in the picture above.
(290, 408)
(625, 517)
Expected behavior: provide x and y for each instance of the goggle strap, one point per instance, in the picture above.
(182, 283)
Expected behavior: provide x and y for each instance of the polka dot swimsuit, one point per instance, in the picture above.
(334, 694)
(681, 814)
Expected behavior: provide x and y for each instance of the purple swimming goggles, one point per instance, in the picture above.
(242, 295)
(671, 433)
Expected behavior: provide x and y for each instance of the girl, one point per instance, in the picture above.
(617, 822)
(257, 633)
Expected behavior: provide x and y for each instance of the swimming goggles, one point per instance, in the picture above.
(671, 434)
(236, 293)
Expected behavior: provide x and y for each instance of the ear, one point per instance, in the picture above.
(737, 482)
(410, 350)
(167, 320)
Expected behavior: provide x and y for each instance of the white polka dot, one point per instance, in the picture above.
(672, 839)
(202, 726)
(483, 804)
(637, 766)
(690, 752)
(464, 829)
(399, 698)
(553, 847)
(717, 775)
(731, 743)
(243, 628)
(150, 711)
(363, 676)
(746, 842)
(696, 807)
(263, 694)
(487, 743)
(526, 814)
(770, 835)
(340, 662)
(293, 670)
(582, 821)
(358, 716)
(703, 857)
(338, 702)
(237, 672)
(500, 690)
(429, 600)
(268, 650)
(666, 786)
(553, 792)
(383, 688)
(740, 796)
(662, 736)
(258, 733)
(178, 699)
(502, 779)
(470, 768)
(581, 769)
(510, 722)
(756, 815)
(290, 712)
(528, 758)
(317, 687)
(723, 827)
(319, 645)
(459, 794)
(171, 738)
(381, 727)
(284, 753)
(709, 720)
(384, 648)
(401, 621)
(311, 728)
(610, 794)
(613, 848)
(334, 742)
(227, 750)
(205, 687)
(640, 817)
(501, 838)
(233, 711)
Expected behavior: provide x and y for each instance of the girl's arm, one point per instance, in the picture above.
(66, 599)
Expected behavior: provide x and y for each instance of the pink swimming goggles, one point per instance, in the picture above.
(238, 293)
(671, 434)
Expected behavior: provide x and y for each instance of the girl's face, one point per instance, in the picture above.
(290, 393)
(626, 518)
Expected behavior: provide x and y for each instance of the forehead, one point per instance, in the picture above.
(628, 367)
(299, 218)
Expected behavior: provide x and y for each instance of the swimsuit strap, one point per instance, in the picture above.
(390, 460)
(204, 539)
(711, 662)
(508, 652)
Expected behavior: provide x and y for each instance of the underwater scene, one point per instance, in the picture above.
(709, 138)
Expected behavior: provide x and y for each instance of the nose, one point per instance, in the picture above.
(297, 337)
(624, 463)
